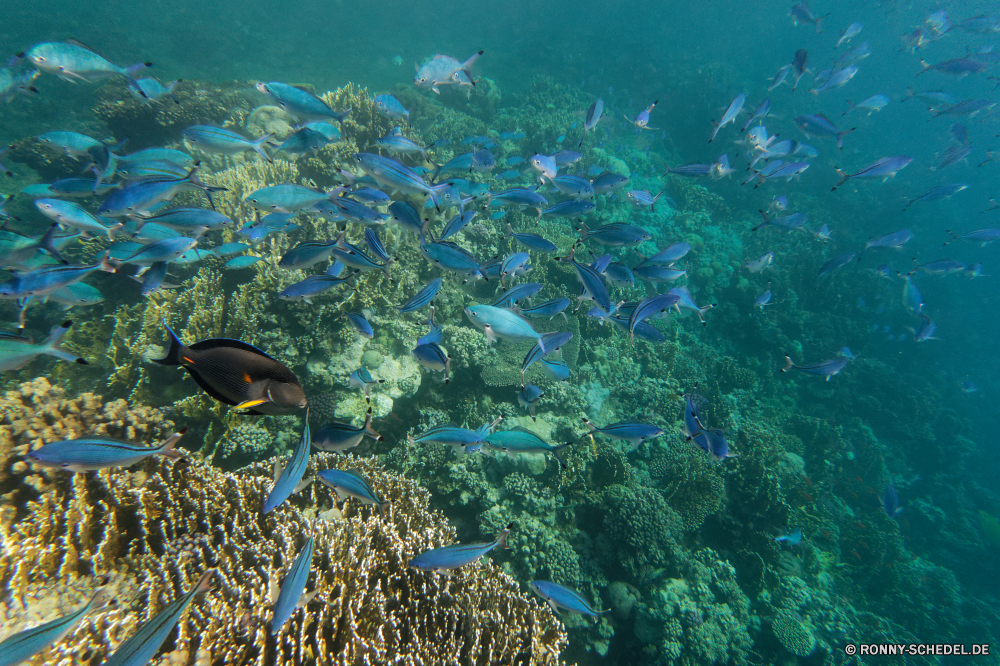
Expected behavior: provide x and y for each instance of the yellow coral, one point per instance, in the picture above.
(370, 607)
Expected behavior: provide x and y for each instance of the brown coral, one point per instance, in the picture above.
(370, 609)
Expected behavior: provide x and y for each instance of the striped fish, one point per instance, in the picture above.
(446, 558)
(16, 351)
(423, 297)
(629, 431)
(291, 595)
(140, 649)
(91, 453)
(560, 597)
(25, 644)
(289, 479)
(349, 483)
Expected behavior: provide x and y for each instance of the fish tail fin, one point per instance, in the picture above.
(204, 583)
(590, 425)
(555, 452)
(167, 447)
(106, 264)
(953, 235)
(789, 364)
(45, 243)
(258, 146)
(502, 539)
(175, 350)
(841, 135)
(850, 107)
(55, 339)
(371, 432)
(819, 24)
(843, 178)
(130, 72)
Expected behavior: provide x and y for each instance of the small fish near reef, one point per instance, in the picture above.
(238, 374)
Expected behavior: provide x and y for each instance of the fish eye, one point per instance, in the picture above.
(40, 58)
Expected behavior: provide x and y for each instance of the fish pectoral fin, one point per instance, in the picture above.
(306, 598)
(247, 404)
(305, 483)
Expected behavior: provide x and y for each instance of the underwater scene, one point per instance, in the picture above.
(481, 334)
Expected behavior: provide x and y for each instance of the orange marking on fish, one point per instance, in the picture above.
(188, 360)
(246, 378)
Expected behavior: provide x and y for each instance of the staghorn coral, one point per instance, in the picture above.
(370, 608)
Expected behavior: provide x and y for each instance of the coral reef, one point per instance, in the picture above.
(133, 527)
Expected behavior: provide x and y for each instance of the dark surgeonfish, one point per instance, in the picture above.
(235, 373)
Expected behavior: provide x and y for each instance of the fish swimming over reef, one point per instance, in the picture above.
(238, 374)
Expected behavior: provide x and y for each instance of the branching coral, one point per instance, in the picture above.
(370, 607)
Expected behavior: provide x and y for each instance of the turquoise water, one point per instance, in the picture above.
(687, 553)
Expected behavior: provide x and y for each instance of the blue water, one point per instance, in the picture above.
(814, 455)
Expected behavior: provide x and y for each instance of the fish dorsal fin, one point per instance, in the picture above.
(524, 430)
(76, 42)
(215, 343)
(355, 473)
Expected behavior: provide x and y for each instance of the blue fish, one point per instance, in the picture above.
(547, 309)
(447, 558)
(92, 453)
(501, 324)
(630, 431)
(299, 103)
(890, 502)
(555, 369)
(593, 285)
(374, 244)
(528, 398)
(433, 357)
(521, 440)
(456, 224)
(212, 139)
(461, 439)
(305, 255)
(422, 298)
(349, 483)
(314, 285)
(562, 598)
(547, 345)
(824, 369)
(23, 645)
(434, 332)
(245, 261)
(532, 241)
(339, 437)
(448, 256)
(793, 538)
(392, 108)
(290, 478)
(143, 645)
(649, 307)
(510, 297)
(363, 380)
(292, 587)
(360, 324)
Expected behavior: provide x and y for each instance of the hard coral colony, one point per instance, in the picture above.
(395, 441)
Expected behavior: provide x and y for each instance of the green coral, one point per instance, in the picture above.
(793, 633)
